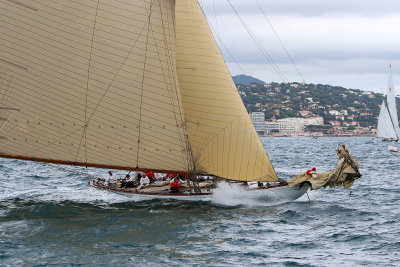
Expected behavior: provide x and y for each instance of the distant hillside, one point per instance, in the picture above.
(246, 80)
(333, 103)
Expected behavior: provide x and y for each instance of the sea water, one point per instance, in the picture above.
(49, 216)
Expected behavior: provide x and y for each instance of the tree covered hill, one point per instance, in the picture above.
(245, 80)
(333, 103)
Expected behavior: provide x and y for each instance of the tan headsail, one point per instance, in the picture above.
(223, 139)
(91, 82)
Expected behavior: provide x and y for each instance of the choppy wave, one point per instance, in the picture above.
(49, 216)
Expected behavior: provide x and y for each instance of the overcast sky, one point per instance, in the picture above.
(349, 43)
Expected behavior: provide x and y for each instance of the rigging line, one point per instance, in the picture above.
(215, 17)
(192, 164)
(170, 64)
(222, 43)
(260, 47)
(222, 129)
(219, 50)
(189, 149)
(183, 143)
(77, 117)
(220, 40)
(83, 137)
(87, 82)
(120, 67)
(76, 46)
(81, 26)
(28, 104)
(63, 69)
(234, 120)
(78, 12)
(226, 48)
(57, 140)
(280, 41)
(144, 70)
(107, 88)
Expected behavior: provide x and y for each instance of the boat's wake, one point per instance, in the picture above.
(233, 194)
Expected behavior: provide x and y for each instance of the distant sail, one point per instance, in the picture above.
(222, 136)
(385, 126)
(391, 103)
(388, 124)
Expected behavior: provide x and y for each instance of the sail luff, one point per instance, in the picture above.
(217, 121)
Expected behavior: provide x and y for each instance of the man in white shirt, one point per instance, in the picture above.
(111, 178)
(144, 181)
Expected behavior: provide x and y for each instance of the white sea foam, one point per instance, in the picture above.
(234, 194)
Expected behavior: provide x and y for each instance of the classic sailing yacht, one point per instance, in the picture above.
(131, 85)
(388, 123)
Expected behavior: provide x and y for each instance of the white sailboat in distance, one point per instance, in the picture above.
(388, 123)
(130, 85)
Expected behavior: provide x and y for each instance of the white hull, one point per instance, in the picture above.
(283, 193)
(270, 194)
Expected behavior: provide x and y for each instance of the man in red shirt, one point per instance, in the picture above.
(150, 175)
(174, 185)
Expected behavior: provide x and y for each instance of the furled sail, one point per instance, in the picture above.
(222, 137)
(385, 125)
(91, 83)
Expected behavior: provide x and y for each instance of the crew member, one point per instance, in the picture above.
(312, 170)
(174, 186)
(144, 182)
(111, 179)
(128, 181)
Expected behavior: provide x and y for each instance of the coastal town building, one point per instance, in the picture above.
(271, 127)
(290, 126)
(292, 109)
(258, 119)
(286, 127)
(296, 126)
